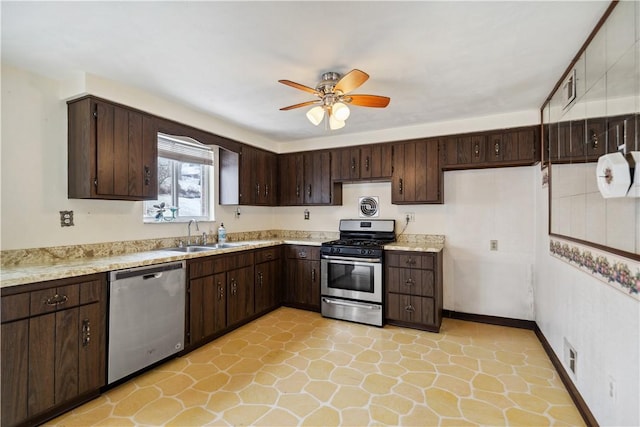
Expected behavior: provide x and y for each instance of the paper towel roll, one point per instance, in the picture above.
(634, 162)
(613, 175)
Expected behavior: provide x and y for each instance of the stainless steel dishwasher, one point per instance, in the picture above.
(146, 317)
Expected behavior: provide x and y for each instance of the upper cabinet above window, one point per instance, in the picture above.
(112, 151)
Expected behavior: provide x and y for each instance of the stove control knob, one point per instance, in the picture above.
(369, 251)
(363, 251)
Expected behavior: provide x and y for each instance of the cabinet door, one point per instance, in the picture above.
(291, 180)
(266, 283)
(416, 174)
(317, 178)
(92, 344)
(126, 152)
(66, 342)
(15, 372)
(240, 295)
(247, 175)
(42, 350)
(375, 161)
(344, 164)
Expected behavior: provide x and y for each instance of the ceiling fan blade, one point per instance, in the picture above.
(369, 100)
(302, 104)
(299, 86)
(350, 81)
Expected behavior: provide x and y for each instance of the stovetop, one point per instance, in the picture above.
(361, 238)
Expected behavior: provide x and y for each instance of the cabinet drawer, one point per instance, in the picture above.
(303, 252)
(201, 267)
(231, 262)
(411, 281)
(268, 254)
(410, 260)
(52, 299)
(15, 307)
(410, 308)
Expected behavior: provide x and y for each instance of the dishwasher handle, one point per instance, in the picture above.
(147, 272)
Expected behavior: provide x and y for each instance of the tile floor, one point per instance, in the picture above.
(293, 367)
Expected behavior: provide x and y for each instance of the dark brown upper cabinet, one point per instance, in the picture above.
(112, 151)
(508, 147)
(249, 177)
(305, 179)
(363, 163)
(417, 176)
(258, 177)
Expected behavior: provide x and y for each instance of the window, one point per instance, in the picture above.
(185, 171)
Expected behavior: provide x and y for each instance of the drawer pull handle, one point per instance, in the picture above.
(410, 308)
(86, 332)
(56, 300)
(409, 282)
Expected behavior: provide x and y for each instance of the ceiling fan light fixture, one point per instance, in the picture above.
(315, 115)
(340, 111)
(335, 123)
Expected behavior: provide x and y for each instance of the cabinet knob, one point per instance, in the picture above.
(496, 148)
(353, 164)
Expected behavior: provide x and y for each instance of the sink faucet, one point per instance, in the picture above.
(191, 221)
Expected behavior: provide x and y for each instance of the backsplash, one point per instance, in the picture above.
(620, 273)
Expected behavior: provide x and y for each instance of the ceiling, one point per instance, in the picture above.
(438, 61)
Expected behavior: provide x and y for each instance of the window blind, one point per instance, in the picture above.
(184, 149)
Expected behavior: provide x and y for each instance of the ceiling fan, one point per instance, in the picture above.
(333, 97)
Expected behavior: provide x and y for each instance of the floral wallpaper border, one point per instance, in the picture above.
(620, 273)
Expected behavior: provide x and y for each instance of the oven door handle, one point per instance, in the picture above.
(352, 304)
(351, 260)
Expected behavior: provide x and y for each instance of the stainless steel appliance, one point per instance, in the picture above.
(146, 317)
(351, 284)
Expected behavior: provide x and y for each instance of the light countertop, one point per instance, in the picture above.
(31, 273)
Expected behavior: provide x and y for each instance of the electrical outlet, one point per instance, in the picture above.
(66, 218)
(570, 358)
(306, 214)
(236, 214)
(410, 216)
(493, 245)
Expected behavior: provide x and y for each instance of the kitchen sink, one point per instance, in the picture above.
(189, 249)
(204, 248)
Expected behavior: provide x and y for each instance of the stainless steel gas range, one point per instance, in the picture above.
(352, 279)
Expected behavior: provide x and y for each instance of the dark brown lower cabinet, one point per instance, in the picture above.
(240, 295)
(53, 347)
(207, 306)
(302, 288)
(267, 279)
(220, 294)
(413, 294)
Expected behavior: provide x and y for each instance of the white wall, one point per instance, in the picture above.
(601, 323)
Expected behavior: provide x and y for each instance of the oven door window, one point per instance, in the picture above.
(350, 277)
